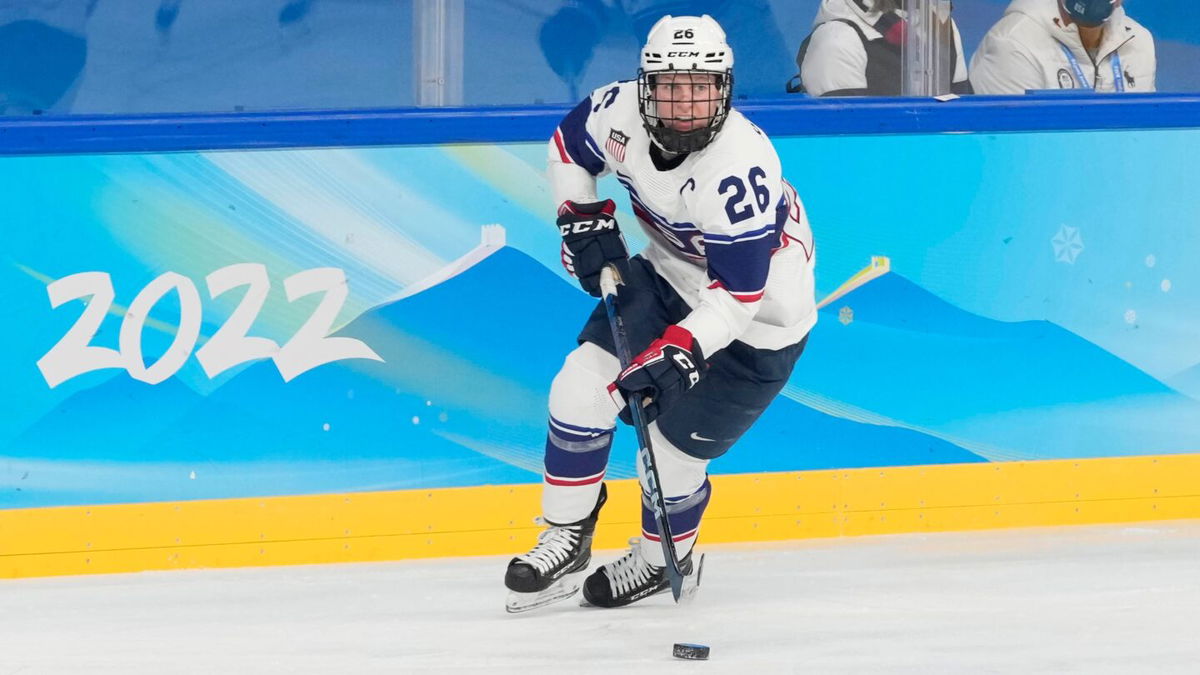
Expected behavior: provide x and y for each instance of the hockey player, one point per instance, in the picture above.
(1065, 44)
(718, 306)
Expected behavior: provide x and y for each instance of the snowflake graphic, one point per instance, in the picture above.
(1067, 244)
(846, 315)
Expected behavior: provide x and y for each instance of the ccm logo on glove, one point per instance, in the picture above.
(587, 226)
(669, 367)
(591, 240)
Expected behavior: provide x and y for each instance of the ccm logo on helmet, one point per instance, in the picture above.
(683, 54)
(586, 226)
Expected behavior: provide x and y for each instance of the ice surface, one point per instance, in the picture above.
(1111, 599)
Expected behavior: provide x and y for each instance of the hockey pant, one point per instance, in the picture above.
(582, 421)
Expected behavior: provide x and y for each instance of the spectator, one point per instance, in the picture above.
(854, 50)
(1064, 44)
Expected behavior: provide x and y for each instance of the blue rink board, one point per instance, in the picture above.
(786, 117)
(1029, 314)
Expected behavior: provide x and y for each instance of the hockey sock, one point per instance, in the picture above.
(575, 462)
(582, 417)
(683, 514)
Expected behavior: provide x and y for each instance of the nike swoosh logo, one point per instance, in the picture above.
(698, 437)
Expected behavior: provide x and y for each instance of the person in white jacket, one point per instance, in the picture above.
(1065, 44)
(854, 50)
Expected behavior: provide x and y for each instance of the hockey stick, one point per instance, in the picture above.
(610, 278)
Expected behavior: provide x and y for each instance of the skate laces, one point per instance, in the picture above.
(555, 544)
(629, 571)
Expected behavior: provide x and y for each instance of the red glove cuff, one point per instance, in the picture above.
(607, 207)
(679, 336)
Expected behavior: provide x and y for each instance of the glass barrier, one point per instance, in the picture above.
(929, 52)
(114, 57)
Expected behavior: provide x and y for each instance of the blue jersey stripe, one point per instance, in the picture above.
(578, 142)
(742, 263)
(741, 267)
(766, 231)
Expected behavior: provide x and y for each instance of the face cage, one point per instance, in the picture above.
(683, 141)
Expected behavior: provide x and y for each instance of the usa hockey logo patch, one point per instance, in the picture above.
(616, 144)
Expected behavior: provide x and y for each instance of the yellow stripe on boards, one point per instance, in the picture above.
(493, 520)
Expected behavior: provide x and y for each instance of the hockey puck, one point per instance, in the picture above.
(685, 650)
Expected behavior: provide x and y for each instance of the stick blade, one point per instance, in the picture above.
(688, 584)
(676, 586)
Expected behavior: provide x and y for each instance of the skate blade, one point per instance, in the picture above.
(562, 589)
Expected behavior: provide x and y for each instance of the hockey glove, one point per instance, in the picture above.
(591, 240)
(670, 366)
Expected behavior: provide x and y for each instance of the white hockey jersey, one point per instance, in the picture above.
(726, 231)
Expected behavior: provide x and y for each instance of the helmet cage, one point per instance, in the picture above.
(658, 126)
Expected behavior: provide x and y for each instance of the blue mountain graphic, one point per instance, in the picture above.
(111, 421)
(471, 358)
(1030, 388)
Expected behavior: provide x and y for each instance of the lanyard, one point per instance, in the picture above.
(1118, 77)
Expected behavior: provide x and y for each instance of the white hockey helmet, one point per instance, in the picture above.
(686, 45)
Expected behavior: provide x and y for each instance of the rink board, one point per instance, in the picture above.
(1014, 362)
(494, 520)
(409, 308)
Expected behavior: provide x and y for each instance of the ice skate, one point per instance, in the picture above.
(631, 578)
(554, 569)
